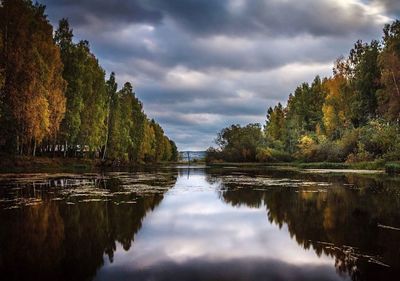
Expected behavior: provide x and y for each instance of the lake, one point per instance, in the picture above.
(197, 223)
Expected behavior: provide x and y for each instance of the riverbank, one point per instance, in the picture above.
(24, 164)
(20, 164)
(391, 168)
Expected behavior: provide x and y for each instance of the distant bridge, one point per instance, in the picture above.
(187, 156)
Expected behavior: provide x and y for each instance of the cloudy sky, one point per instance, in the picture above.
(201, 65)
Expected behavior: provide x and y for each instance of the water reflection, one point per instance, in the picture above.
(344, 220)
(197, 224)
(75, 221)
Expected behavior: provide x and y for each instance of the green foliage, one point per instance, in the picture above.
(272, 155)
(389, 62)
(305, 106)
(275, 123)
(380, 139)
(239, 144)
(365, 81)
(54, 97)
(214, 155)
(392, 168)
(174, 151)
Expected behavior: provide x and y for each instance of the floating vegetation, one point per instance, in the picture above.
(345, 171)
(124, 202)
(31, 189)
(93, 200)
(267, 182)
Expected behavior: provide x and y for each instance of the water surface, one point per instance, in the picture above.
(200, 224)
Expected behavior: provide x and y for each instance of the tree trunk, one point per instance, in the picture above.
(54, 149)
(17, 141)
(395, 83)
(104, 151)
(108, 130)
(34, 148)
(65, 148)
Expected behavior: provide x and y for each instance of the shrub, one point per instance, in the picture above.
(326, 150)
(329, 151)
(348, 144)
(360, 155)
(392, 168)
(307, 147)
(378, 137)
(272, 155)
(393, 154)
(213, 155)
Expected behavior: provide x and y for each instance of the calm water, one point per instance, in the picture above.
(199, 224)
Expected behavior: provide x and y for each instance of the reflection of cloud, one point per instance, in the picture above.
(229, 59)
(192, 223)
(225, 270)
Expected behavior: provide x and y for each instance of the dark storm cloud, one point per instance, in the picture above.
(239, 17)
(171, 49)
(201, 65)
(277, 18)
(81, 12)
(233, 34)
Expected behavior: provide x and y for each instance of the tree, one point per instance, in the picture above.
(148, 144)
(333, 109)
(33, 101)
(137, 130)
(275, 123)
(73, 59)
(93, 118)
(174, 151)
(240, 143)
(159, 141)
(389, 61)
(364, 81)
(112, 87)
(167, 149)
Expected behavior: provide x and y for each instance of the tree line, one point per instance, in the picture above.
(351, 116)
(55, 99)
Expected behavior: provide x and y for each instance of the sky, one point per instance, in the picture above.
(201, 65)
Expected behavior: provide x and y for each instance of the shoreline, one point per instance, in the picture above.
(27, 164)
(24, 164)
(369, 167)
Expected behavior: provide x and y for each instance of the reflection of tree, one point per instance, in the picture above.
(59, 241)
(31, 238)
(330, 220)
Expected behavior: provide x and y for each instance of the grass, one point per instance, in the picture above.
(323, 165)
(392, 168)
(26, 164)
(372, 165)
(45, 164)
